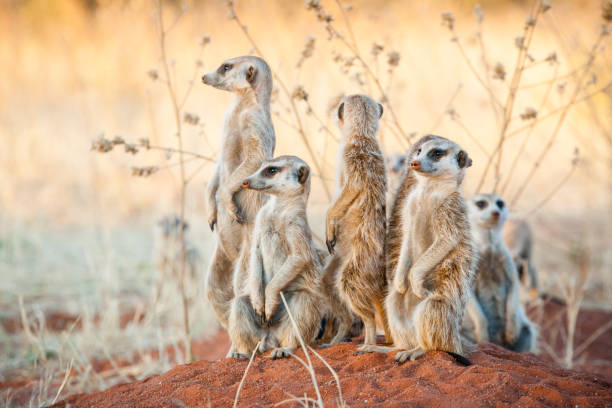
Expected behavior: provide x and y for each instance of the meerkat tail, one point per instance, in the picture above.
(382, 312)
(460, 359)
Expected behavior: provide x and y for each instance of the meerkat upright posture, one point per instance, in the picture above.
(248, 140)
(496, 284)
(519, 239)
(435, 263)
(283, 258)
(355, 232)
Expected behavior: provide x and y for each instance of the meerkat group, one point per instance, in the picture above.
(416, 267)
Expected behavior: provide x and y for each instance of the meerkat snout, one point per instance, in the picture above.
(488, 210)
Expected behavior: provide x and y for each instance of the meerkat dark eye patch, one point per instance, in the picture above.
(463, 160)
(341, 111)
(271, 171)
(436, 154)
(224, 68)
(500, 204)
(302, 174)
(482, 204)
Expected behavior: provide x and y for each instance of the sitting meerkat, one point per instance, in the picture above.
(355, 233)
(519, 240)
(496, 284)
(248, 139)
(283, 258)
(435, 264)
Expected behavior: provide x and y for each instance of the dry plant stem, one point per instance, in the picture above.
(177, 118)
(341, 402)
(245, 374)
(318, 119)
(296, 113)
(564, 112)
(519, 154)
(446, 108)
(471, 136)
(63, 384)
(299, 335)
(583, 346)
(509, 106)
(554, 191)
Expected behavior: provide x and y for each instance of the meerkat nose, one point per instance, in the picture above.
(495, 214)
(415, 165)
(245, 184)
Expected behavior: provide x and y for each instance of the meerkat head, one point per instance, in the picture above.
(240, 75)
(359, 113)
(396, 163)
(170, 226)
(283, 176)
(435, 156)
(488, 211)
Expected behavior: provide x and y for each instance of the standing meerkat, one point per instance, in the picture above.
(434, 268)
(355, 231)
(496, 284)
(248, 140)
(519, 239)
(283, 258)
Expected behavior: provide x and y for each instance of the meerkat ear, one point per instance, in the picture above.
(380, 108)
(251, 74)
(341, 111)
(463, 159)
(302, 174)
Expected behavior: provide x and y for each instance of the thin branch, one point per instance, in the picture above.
(554, 191)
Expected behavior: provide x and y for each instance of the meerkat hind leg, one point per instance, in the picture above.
(405, 355)
(281, 352)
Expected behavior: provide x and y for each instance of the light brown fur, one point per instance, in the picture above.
(433, 265)
(519, 239)
(496, 285)
(283, 258)
(248, 140)
(355, 232)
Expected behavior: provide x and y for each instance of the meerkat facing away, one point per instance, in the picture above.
(519, 239)
(248, 139)
(283, 258)
(431, 282)
(496, 284)
(168, 253)
(355, 233)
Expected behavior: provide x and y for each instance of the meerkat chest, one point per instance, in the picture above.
(273, 246)
(491, 284)
(417, 221)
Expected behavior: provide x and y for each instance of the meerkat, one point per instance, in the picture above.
(519, 240)
(283, 258)
(168, 253)
(396, 167)
(433, 272)
(496, 284)
(355, 227)
(248, 139)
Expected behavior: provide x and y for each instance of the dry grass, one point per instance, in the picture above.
(74, 226)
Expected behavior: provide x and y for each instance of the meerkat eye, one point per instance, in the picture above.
(500, 204)
(227, 67)
(402, 161)
(270, 171)
(436, 154)
(481, 204)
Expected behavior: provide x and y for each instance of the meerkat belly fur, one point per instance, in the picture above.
(519, 240)
(355, 232)
(283, 258)
(496, 285)
(248, 140)
(435, 260)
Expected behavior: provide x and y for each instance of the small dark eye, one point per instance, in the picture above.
(481, 204)
(500, 204)
(438, 153)
(227, 67)
(270, 171)
(402, 161)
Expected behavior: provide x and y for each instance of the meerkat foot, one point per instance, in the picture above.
(281, 352)
(373, 348)
(405, 355)
(236, 355)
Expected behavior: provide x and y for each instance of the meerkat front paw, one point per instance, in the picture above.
(405, 355)
(330, 236)
(416, 284)
(212, 221)
(271, 303)
(258, 306)
(399, 283)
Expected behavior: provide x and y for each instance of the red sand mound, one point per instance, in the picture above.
(498, 377)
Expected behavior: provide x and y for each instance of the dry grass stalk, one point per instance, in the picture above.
(246, 371)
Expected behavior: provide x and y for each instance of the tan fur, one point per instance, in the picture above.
(283, 258)
(519, 239)
(496, 285)
(248, 140)
(433, 265)
(397, 165)
(355, 232)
